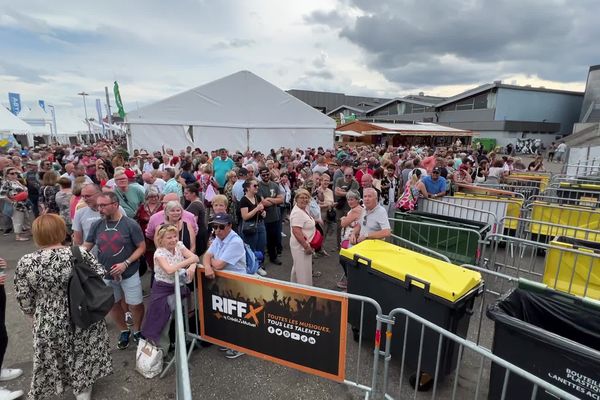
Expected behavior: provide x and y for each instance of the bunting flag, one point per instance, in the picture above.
(118, 100)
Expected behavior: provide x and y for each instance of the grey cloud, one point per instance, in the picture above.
(463, 41)
(323, 74)
(24, 73)
(329, 18)
(234, 43)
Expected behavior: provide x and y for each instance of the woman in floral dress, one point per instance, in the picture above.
(64, 356)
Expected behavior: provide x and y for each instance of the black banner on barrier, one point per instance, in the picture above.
(299, 328)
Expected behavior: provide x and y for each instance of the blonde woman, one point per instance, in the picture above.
(170, 257)
(173, 214)
(303, 231)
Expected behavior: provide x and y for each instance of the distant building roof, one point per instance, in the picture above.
(356, 109)
(499, 84)
(409, 99)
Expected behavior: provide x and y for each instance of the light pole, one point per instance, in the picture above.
(87, 121)
(53, 120)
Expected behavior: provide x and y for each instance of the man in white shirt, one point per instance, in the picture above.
(151, 180)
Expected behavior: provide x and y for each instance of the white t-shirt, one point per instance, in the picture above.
(172, 258)
(159, 184)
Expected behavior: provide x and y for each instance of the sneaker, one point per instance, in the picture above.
(8, 374)
(129, 318)
(6, 394)
(223, 348)
(231, 354)
(137, 336)
(85, 395)
(283, 234)
(123, 340)
(261, 271)
(343, 283)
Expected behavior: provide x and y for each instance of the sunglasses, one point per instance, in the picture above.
(105, 205)
(11, 173)
(217, 227)
(255, 185)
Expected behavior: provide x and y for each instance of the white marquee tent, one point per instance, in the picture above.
(239, 112)
(12, 125)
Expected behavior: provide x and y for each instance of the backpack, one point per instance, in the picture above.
(90, 299)
(252, 260)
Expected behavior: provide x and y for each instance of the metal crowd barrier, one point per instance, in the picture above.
(561, 213)
(544, 232)
(451, 208)
(525, 191)
(562, 266)
(355, 373)
(461, 245)
(182, 374)
(582, 168)
(477, 355)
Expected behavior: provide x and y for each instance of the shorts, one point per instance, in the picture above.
(130, 287)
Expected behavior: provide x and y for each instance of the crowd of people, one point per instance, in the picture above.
(167, 212)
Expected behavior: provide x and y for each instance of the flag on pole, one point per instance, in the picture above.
(42, 104)
(15, 102)
(118, 100)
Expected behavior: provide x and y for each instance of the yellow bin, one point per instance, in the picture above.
(569, 271)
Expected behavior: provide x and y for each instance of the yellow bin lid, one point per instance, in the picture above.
(446, 280)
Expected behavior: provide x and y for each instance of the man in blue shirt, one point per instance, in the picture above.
(221, 166)
(227, 252)
(435, 184)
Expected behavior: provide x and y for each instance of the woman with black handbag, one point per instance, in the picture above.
(252, 227)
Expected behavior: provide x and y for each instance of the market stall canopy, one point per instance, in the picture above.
(12, 124)
(406, 129)
(348, 133)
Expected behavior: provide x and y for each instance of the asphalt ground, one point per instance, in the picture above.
(215, 377)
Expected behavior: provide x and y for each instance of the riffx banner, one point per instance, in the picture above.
(296, 327)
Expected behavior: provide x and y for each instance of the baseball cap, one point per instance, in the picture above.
(129, 174)
(221, 218)
(436, 170)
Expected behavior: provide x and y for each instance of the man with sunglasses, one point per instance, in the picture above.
(272, 198)
(227, 252)
(374, 223)
(121, 244)
(86, 217)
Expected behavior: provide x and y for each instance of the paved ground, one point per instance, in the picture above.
(215, 377)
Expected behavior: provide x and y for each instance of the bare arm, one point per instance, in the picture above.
(78, 238)
(192, 238)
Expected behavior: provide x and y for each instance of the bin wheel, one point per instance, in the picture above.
(425, 381)
(355, 334)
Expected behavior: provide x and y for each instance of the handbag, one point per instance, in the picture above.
(317, 240)
(21, 196)
(331, 215)
(210, 193)
(249, 227)
(148, 359)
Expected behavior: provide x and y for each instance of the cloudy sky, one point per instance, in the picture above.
(155, 48)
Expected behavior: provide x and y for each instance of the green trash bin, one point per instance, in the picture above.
(458, 239)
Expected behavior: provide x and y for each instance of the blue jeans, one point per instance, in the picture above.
(257, 240)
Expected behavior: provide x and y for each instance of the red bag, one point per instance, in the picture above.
(21, 196)
(317, 240)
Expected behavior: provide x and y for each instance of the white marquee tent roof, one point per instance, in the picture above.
(11, 123)
(240, 100)
(35, 113)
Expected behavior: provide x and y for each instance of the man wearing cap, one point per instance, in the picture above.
(227, 252)
(130, 195)
(435, 184)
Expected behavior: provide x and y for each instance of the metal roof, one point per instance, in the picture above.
(357, 109)
(489, 86)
